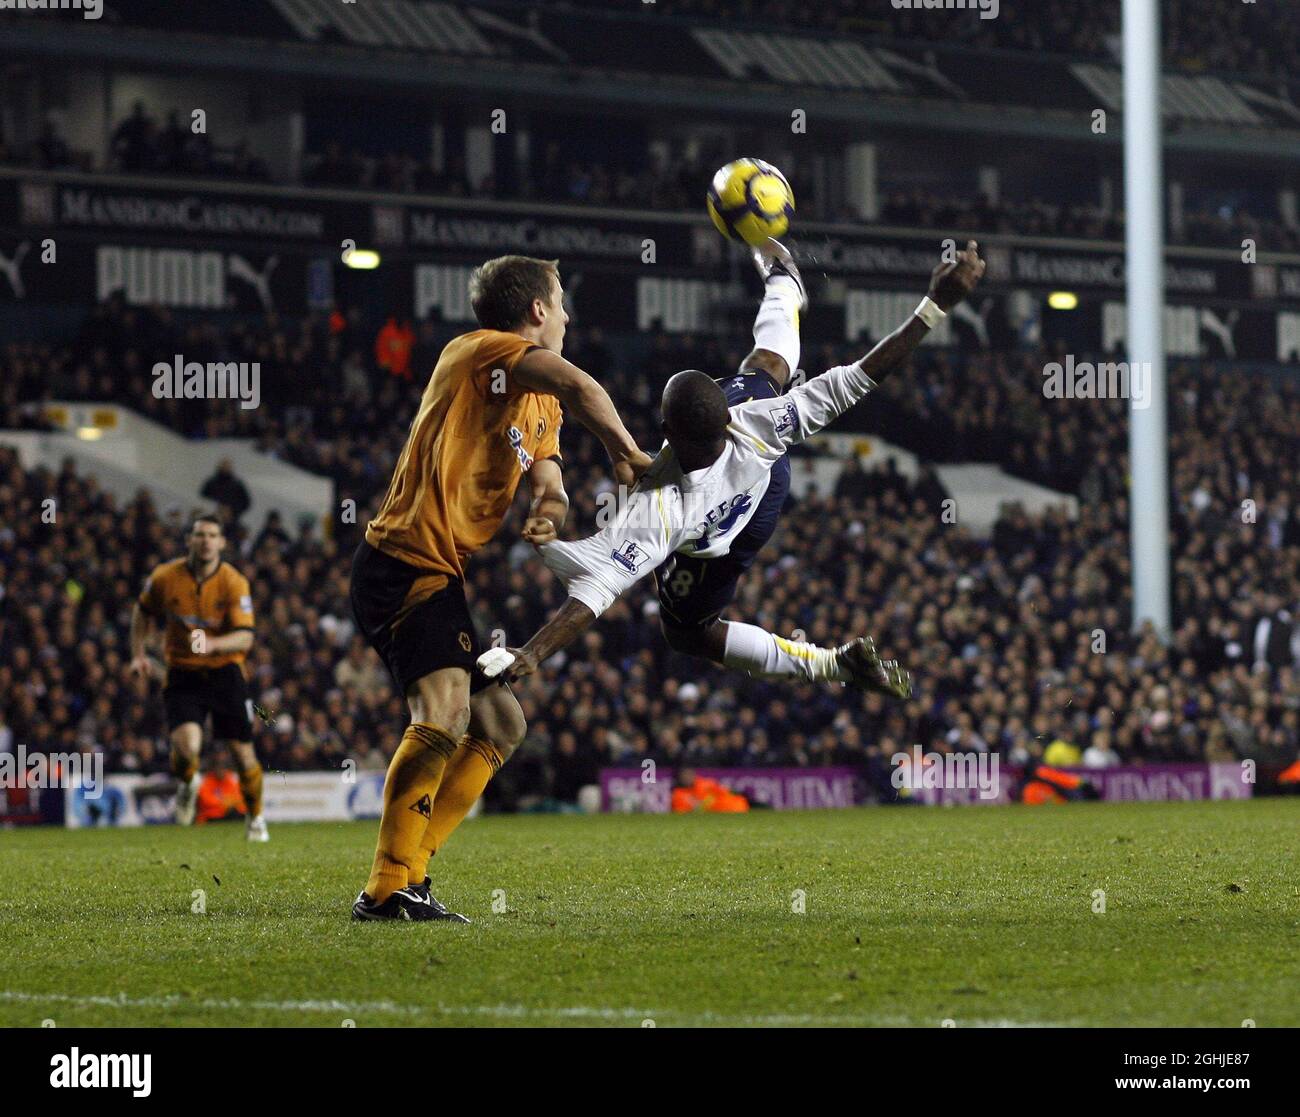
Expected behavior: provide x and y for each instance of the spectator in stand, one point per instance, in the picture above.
(227, 491)
(361, 671)
(996, 630)
(133, 142)
(272, 533)
(245, 165)
(853, 482)
(1276, 637)
(693, 792)
(456, 180)
(219, 796)
(395, 173)
(172, 144)
(393, 347)
(51, 151)
(1099, 754)
(333, 169)
(573, 768)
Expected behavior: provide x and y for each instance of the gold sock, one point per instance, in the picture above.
(409, 791)
(183, 767)
(467, 774)
(250, 783)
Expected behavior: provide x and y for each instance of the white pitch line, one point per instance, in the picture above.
(380, 1008)
(234, 1004)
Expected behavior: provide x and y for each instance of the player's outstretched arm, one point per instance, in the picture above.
(570, 622)
(950, 283)
(823, 399)
(596, 571)
(541, 370)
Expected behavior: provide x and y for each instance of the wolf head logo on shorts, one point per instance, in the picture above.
(465, 641)
(629, 556)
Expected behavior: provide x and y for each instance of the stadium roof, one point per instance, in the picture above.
(569, 57)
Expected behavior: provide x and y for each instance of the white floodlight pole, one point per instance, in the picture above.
(1144, 244)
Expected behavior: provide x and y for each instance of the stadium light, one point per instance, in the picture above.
(89, 434)
(1063, 300)
(362, 259)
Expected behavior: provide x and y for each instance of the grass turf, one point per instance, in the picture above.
(913, 916)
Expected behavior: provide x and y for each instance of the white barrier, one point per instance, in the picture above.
(130, 800)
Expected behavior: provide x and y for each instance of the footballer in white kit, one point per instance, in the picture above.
(709, 501)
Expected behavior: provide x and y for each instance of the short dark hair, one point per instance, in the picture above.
(502, 290)
(208, 518)
(694, 408)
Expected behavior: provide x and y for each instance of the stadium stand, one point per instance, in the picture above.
(647, 182)
(677, 188)
(1198, 34)
(999, 631)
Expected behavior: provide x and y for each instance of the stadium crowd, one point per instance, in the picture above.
(651, 182)
(1002, 634)
(1225, 226)
(659, 183)
(1198, 34)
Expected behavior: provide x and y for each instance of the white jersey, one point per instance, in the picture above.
(701, 512)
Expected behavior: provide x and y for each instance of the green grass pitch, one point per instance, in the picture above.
(979, 916)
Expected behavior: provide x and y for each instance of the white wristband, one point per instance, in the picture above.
(929, 312)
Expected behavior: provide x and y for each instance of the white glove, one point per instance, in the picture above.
(494, 661)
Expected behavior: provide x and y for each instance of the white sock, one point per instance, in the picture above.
(777, 326)
(764, 655)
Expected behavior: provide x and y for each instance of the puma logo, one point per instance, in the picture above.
(260, 281)
(977, 320)
(1222, 329)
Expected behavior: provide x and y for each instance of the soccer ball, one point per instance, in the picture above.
(750, 200)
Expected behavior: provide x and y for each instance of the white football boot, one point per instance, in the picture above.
(187, 801)
(256, 830)
(773, 258)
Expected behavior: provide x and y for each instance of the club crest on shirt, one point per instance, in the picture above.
(629, 556)
(786, 419)
(516, 437)
(722, 519)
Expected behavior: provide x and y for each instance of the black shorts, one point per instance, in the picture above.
(417, 639)
(693, 592)
(192, 693)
